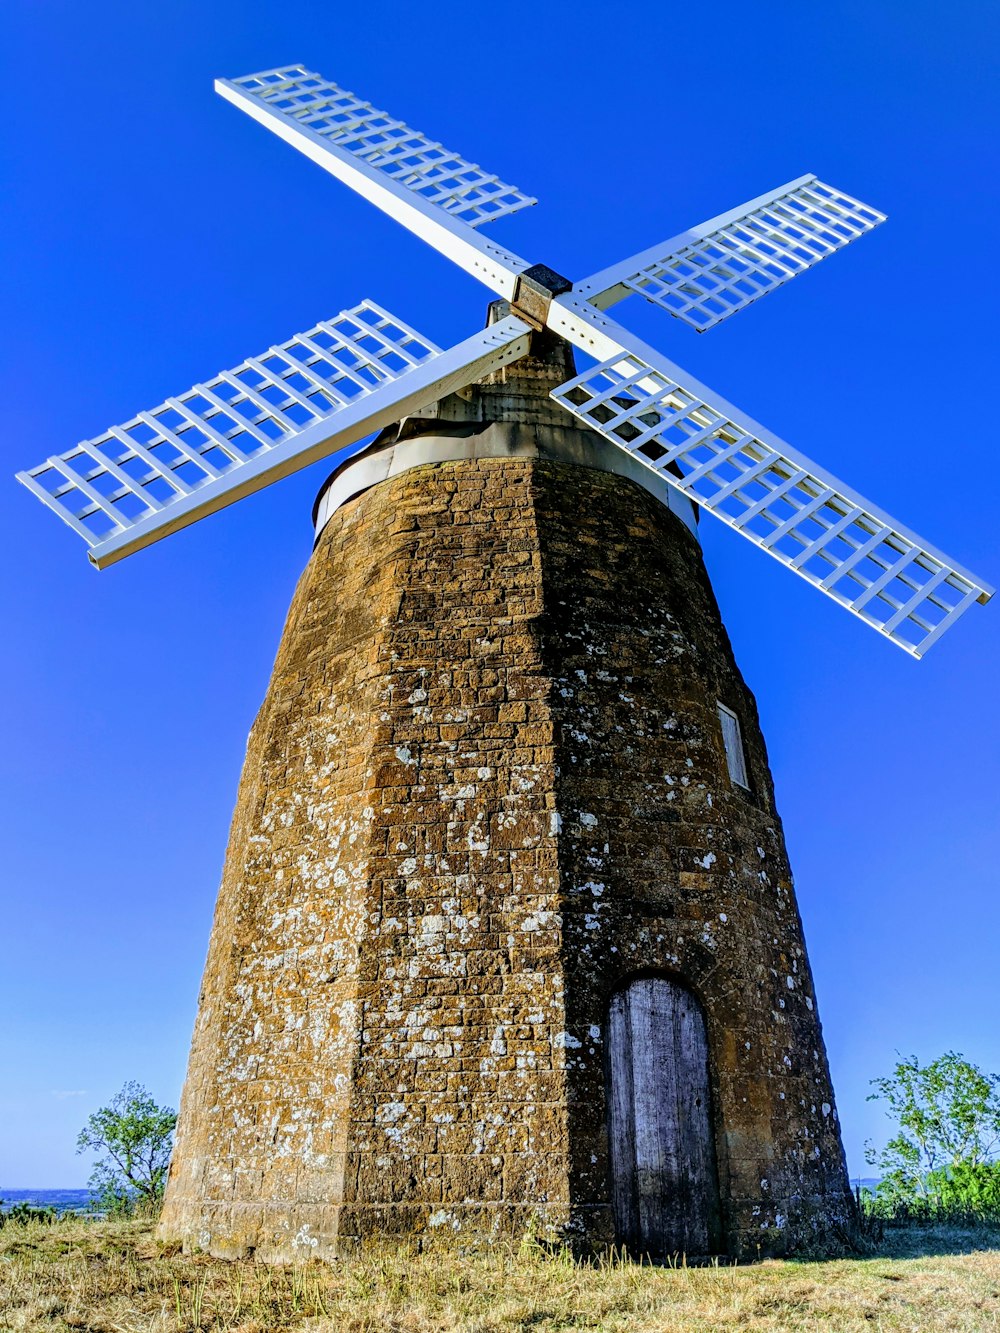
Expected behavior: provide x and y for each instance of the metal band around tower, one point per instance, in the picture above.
(448, 442)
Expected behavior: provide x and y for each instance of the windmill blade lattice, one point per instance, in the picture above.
(267, 418)
(435, 193)
(438, 175)
(709, 273)
(774, 496)
(347, 378)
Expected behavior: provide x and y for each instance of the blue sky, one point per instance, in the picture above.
(152, 235)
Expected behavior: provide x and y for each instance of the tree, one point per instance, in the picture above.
(136, 1137)
(949, 1117)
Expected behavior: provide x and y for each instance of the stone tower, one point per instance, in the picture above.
(506, 934)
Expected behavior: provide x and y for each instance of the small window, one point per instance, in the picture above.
(733, 742)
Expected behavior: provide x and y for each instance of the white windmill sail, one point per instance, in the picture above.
(708, 273)
(432, 191)
(760, 486)
(267, 418)
(310, 397)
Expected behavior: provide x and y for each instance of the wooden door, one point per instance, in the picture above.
(665, 1187)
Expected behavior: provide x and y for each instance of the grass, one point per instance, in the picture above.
(113, 1277)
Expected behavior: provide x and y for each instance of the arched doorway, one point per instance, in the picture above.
(664, 1180)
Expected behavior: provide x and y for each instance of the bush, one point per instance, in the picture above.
(941, 1166)
(136, 1137)
(23, 1213)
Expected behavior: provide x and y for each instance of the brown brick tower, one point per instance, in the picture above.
(506, 934)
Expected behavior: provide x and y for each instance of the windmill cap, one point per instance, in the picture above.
(509, 414)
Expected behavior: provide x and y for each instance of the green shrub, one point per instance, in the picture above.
(941, 1164)
(22, 1213)
(136, 1137)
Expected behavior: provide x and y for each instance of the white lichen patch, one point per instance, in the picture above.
(566, 1040)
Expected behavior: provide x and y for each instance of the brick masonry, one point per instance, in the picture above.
(486, 788)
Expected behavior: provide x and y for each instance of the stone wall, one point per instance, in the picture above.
(486, 788)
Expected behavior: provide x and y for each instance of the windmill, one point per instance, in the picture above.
(506, 928)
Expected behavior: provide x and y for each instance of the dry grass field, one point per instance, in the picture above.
(113, 1277)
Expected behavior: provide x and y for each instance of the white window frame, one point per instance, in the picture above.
(732, 741)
